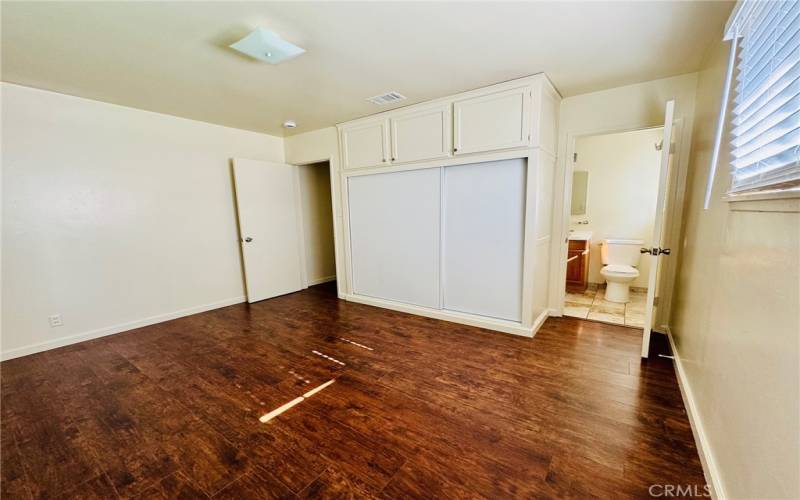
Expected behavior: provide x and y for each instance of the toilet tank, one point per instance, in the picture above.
(623, 252)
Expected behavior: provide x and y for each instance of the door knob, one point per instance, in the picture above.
(248, 239)
(656, 251)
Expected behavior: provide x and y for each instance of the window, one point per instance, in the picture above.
(765, 113)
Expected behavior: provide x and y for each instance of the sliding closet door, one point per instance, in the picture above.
(483, 232)
(394, 235)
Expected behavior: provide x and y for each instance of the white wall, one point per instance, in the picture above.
(315, 200)
(614, 110)
(736, 319)
(622, 190)
(113, 217)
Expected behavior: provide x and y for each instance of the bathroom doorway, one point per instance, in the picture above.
(612, 212)
(578, 239)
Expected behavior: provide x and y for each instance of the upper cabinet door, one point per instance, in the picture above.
(366, 144)
(494, 121)
(422, 134)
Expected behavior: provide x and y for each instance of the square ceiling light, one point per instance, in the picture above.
(264, 45)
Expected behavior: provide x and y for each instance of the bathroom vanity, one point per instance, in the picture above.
(578, 261)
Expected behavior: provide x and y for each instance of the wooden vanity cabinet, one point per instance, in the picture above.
(578, 266)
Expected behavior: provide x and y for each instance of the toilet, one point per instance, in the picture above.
(620, 258)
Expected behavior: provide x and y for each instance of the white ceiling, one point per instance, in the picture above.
(172, 57)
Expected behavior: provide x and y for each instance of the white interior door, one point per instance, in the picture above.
(657, 251)
(267, 196)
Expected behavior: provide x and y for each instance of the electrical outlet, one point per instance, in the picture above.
(55, 320)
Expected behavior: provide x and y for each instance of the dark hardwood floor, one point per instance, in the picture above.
(434, 410)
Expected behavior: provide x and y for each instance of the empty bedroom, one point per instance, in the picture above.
(400, 249)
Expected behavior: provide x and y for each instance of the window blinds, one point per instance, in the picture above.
(765, 125)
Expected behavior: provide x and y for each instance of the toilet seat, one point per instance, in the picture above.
(618, 279)
(620, 269)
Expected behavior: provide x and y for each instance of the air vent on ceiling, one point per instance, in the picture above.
(387, 98)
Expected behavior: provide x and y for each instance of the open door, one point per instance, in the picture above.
(270, 227)
(657, 252)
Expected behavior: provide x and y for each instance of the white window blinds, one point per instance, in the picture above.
(765, 127)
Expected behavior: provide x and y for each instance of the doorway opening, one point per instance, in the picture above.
(317, 214)
(285, 226)
(613, 208)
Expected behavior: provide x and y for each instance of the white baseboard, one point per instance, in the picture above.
(538, 322)
(319, 281)
(111, 330)
(455, 317)
(710, 469)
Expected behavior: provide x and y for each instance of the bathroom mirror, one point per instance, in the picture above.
(580, 185)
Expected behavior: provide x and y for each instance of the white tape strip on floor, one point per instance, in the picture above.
(328, 357)
(277, 411)
(356, 344)
(317, 389)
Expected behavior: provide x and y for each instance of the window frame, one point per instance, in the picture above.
(739, 16)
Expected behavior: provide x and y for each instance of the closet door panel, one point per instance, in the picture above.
(483, 237)
(394, 235)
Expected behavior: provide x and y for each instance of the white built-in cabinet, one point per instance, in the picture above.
(366, 144)
(446, 206)
(481, 121)
(421, 134)
(499, 120)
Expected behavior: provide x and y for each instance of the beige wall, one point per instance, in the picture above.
(315, 201)
(736, 320)
(622, 189)
(628, 108)
(113, 217)
(313, 147)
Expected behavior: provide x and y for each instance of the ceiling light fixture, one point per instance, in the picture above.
(264, 45)
(289, 124)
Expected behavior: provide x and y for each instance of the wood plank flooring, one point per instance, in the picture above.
(434, 410)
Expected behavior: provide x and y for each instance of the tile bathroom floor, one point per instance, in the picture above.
(592, 305)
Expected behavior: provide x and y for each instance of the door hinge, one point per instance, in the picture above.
(660, 146)
(574, 157)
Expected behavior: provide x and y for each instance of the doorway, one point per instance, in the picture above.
(612, 212)
(621, 252)
(317, 215)
(286, 226)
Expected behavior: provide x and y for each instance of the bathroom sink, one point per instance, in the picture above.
(580, 235)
